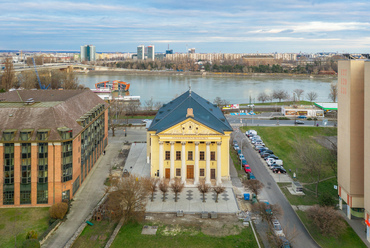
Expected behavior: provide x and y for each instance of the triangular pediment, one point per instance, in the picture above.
(190, 127)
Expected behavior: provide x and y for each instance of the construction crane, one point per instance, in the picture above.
(38, 78)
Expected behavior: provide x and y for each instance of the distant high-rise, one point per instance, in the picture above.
(140, 52)
(87, 53)
(191, 50)
(169, 51)
(151, 52)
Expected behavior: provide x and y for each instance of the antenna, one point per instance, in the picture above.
(190, 89)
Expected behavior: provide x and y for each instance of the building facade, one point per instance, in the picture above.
(88, 53)
(150, 50)
(354, 138)
(189, 139)
(141, 52)
(49, 142)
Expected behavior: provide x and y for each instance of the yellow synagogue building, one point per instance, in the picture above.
(189, 139)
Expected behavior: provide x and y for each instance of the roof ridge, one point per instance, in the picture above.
(212, 113)
(178, 105)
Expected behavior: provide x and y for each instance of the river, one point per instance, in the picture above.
(236, 89)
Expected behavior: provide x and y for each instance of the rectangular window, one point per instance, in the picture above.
(26, 164)
(201, 172)
(178, 172)
(201, 155)
(8, 136)
(168, 155)
(42, 196)
(43, 163)
(67, 161)
(213, 156)
(25, 136)
(213, 173)
(25, 197)
(178, 155)
(8, 165)
(190, 155)
(8, 197)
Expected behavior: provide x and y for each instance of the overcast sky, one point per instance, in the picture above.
(227, 26)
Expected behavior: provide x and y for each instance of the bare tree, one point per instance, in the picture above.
(117, 108)
(253, 185)
(177, 186)
(313, 159)
(158, 105)
(219, 189)
(8, 77)
(203, 188)
(132, 108)
(298, 93)
(220, 102)
(267, 211)
(153, 186)
(27, 79)
(327, 220)
(280, 94)
(163, 186)
(311, 96)
(130, 195)
(333, 92)
(262, 97)
(70, 81)
(149, 104)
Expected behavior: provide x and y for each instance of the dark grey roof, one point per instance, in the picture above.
(204, 112)
(52, 109)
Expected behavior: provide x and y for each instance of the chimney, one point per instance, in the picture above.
(190, 113)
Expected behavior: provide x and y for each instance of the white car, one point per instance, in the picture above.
(277, 228)
(145, 121)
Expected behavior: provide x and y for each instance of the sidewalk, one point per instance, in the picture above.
(87, 197)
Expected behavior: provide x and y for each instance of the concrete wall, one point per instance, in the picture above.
(350, 131)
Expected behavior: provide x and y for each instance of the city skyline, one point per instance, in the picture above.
(208, 26)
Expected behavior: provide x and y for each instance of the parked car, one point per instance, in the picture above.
(271, 156)
(235, 142)
(271, 161)
(279, 169)
(258, 147)
(262, 149)
(244, 162)
(251, 176)
(277, 227)
(241, 156)
(273, 166)
(251, 132)
(285, 242)
(247, 169)
(302, 117)
(236, 147)
(266, 153)
(239, 151)
(259, 144)
(298, 122)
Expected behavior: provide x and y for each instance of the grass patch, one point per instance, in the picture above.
(95, 236)
(282, 141)
(348, 239)
(130, 236)
(235, 158)
(19, 221)
(280, 103)
(307, 199)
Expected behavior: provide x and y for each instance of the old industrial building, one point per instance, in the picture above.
(354, 138)
(49, 141)
(189, 139)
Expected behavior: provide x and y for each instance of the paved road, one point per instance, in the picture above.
(92, 190)
(273, 194)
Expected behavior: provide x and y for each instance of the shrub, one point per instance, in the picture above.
(327, 199)
(58, 210)
(309, 119)
(31, 235)
(327, 220)
(31, 243)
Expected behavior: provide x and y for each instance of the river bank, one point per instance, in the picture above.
(108, 71)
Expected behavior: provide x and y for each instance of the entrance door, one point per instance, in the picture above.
(213, 173)
(168, 172)
(190, 172)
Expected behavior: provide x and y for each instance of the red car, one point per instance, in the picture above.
(247, 169)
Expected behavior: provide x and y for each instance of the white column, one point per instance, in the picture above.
(161, 159)
(348, 212)
(183, 167)
(219, 163)
(340, 203)
(196, 163)
(172, 166)
(208, 163)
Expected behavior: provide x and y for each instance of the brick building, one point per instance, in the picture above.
(49, 141)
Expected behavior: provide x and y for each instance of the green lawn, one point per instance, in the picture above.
(282, 141)
(95, 236)
(130, 236)
(18, 221)
(280, 103)
(236, 161)
(348, 239)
